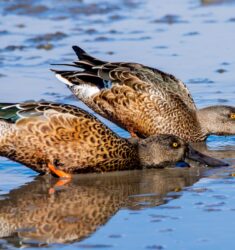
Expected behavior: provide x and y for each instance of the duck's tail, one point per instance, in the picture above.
(86, 60)
(85, 72)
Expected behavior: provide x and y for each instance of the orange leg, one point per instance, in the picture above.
(58, 172)
(66, 178)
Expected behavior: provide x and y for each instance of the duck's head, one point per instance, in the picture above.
(162, 150)
(218, 120)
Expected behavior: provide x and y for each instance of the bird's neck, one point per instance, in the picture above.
(206, 122)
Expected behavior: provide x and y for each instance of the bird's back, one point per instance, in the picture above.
(64, 135)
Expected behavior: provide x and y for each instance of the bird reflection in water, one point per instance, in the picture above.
(222, 151)
(29, 215)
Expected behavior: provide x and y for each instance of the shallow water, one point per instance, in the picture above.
(157, 209)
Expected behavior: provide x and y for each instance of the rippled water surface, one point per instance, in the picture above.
(156, 209)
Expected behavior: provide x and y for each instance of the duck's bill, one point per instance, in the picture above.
(204, 159)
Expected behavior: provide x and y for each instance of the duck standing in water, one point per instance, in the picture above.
(143, 100)
(64, 139)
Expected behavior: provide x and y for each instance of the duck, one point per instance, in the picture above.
(143, 100)
(63, 139)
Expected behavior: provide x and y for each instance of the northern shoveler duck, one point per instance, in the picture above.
(64, 139)
(143, 100)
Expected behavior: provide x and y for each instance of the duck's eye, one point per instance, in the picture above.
(232, 115)
(175, 144)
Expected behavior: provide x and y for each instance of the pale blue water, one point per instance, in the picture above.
(153, 210)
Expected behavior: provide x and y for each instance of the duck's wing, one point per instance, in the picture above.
(67, 134)
(34, 115)
(16, 112)
(95, 75)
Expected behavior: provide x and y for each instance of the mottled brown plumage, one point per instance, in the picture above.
(143, 100)
(63, 135)
(38, 133)
(29, 214)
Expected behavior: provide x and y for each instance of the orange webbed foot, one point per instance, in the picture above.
(58, 172)
(65, 178)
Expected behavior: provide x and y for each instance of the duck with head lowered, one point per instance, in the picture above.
(144, 100)
(64, 139)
